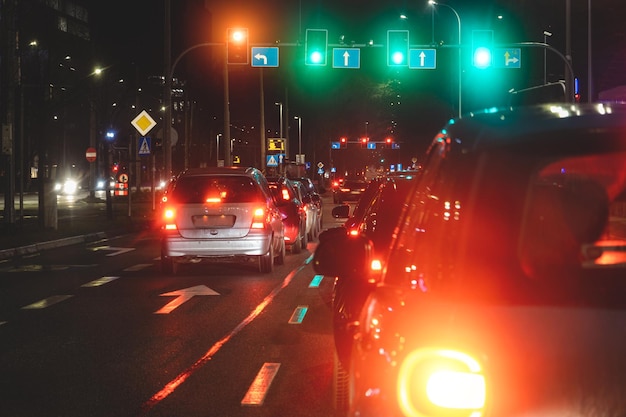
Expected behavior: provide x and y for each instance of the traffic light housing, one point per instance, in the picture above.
(237, 46)
(316, 47)
(482, 45)
(364, 141)
(343, 142)
(397, 48)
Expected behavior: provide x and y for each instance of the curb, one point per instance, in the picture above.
(38, 247)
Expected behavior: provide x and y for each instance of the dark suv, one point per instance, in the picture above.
(504, 293)
(221, 213)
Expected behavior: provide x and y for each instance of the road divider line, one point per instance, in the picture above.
(171, 386)
(99, 282)
(261, 384)
(47, 302)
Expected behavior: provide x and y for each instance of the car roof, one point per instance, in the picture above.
(497, 126)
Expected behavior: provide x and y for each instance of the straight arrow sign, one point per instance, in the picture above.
(182, 296)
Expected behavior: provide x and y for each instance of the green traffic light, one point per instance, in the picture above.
(315, 57)
(397, 58)
(482, 57)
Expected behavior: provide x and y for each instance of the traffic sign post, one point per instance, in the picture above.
(422, 58)
(507, 58)
(91, 154)
(264, 56)
(347, 58)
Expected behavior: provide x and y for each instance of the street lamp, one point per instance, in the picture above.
(279, 104)
(299, 119)
(545, 40)
(458, 19)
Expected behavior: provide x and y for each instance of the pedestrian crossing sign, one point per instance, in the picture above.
(272, 160)
(143, 146)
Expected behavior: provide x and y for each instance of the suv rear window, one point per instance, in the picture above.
(222, 189)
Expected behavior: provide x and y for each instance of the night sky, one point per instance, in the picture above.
(133, 31)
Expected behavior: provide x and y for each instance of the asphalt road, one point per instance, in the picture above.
(96, 329)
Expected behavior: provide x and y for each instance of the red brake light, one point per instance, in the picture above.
(258, 220)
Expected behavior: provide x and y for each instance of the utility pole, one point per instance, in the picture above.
(8, 87)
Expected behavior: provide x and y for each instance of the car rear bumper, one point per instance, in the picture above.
(173, 246)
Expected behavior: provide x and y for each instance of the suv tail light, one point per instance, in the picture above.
(169, 219)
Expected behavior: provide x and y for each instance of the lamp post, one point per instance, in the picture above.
(545, 40)
(299, 119)
(458, 19)
(280, 105)
(217, 149)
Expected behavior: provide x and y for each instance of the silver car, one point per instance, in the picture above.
(221, 214)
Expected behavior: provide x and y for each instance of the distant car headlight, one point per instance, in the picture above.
(436, 382)
(100, 185)
(70, 187)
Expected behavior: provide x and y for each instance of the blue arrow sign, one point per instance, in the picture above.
(422, 58)
(264, 56)
(507, 58)
(335, 145)
(346, 58)
(371, 145)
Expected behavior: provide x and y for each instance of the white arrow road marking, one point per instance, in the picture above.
(47, 302)
(137, 267)
(99, 282)
(183, 296)
(118, 251)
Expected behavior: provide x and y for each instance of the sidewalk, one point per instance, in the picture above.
(88, 223)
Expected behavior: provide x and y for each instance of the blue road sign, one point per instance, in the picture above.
(371, 145)
(264, 56)
(335, 145)
(143, 146)
(422, 58)
(272, 160)
(507, 58)
(346, 58)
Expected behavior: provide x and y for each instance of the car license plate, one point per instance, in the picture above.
(214, 221)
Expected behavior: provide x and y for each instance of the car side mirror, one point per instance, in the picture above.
(341, 212)
(338, 254)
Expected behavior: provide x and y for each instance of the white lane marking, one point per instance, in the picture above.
(261, 384)
(46, 302)
(298, 315)
(315, 282)
(137, 267)
(3, 322)
(182, 296)
(171, 386)
(117, 251)
(99, 282)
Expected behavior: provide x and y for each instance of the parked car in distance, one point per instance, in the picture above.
(221, 214)
(504, 290)
(350, 190)
(313, 202)
(293, 212)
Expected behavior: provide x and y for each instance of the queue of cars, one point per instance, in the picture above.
(503, 289)
(231, 214)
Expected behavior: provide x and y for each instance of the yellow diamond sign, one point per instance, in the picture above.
(143, 123)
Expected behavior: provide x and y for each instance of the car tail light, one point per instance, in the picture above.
(441, 382)
(376, 265)
(258, 219)
(285, 194)
(169, 219)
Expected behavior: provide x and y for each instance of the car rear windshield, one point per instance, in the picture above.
(216, 189)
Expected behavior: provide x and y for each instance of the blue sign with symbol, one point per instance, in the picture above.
(507, 58)
(143, 146)
(422, 58)
(272, 160)
(346, 58)
(371, 145)
(335, 145)
(264, 56)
